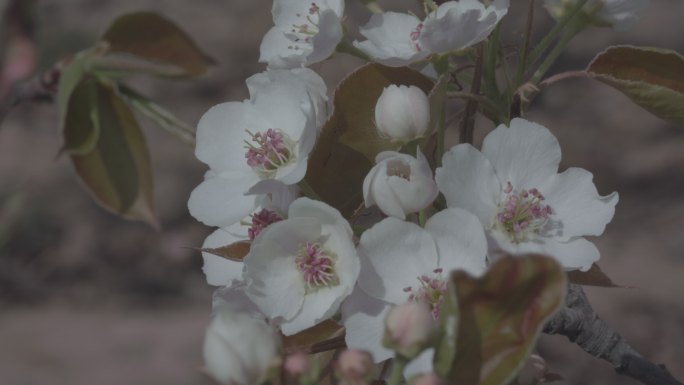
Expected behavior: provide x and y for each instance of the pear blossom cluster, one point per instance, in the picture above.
(385, 284)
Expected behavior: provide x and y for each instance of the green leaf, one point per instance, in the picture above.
(81, 125)
(500, 316)
(355, 100)
(153, 38)
(652, 77)
(117, 170)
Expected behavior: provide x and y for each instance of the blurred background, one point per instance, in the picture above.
(88, 298)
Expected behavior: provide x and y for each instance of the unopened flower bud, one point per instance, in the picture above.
(239, 349)
(355, 366)
(409, 329)
(399, 184)
(427, 379)
(297, 364)
(402, 113)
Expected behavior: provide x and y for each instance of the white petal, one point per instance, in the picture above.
(456, 25)
(221, 201)
(460, 240)
(577, 253)
(233, 298)
(421, 364)
(577, 205)
(389, 39)
(324, 213)
(393, 255)
(218, 270)
(329, 35)
(274, 283)
(364, 320)
(221, 132)
(525, 154)
(317, 307)
(468, 181)
(274, 51)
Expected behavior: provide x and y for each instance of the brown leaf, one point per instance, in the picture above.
(327, 335)
(233, 252)
(592, 277)
(149, 36)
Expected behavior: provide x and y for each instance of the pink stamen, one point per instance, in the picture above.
(317, 266)
(268, 151)
(523, 213)
(430, 292)
(260, 221)
(415, 35)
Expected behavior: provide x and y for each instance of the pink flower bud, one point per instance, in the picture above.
(402, 113)
(296, 364)
(355, 366)
(409, 328)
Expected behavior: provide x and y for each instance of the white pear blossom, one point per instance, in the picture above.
(402, 113)
(220, 271)
(525, 206)
(239, 350)
(300, 269)
(256, 145)
(399, 184)
(305, 32)
(403, 262)
(620, 14)
(410, 328)
(398, 39)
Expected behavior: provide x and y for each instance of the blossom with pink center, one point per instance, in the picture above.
(272, 208)
(400, 262)
(305, 32)
(619, 14)
(299, 270)
(399, 39)
(524, 205)
(257, 146)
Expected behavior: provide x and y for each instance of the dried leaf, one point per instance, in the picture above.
(233, 252)
(592, 277)
(315, 338)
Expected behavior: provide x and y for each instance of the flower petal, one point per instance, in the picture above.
(221, 201)
(275, 51)
(389, 39)
(364, 320)
(576, 202)
(218, 270)
(329, 35)
(468, 181)
(317, 307)
(460, 239)
(577, 253)
(393, 255)
(233, 298)
(421, 364)
(525, 154)
(274, 283)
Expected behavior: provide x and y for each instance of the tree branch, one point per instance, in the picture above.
(579, 322)
(40, 88)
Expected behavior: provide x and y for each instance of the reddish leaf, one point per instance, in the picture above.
(327, 335)
(149, 36)
(233, 252)
(500, 316)
(592, 277)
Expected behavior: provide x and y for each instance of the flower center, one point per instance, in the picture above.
(303, 31)
(269, 151)
(522, 214)
(431, 291)
(260, 221)
(399, 169)
(317, 266)
(415, 36)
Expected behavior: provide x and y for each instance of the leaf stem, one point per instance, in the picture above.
(346, 47)
(468, 126)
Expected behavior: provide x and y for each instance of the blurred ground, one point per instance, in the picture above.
(86, 298)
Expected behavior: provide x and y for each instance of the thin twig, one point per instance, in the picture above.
(579, 322)
(468, 125)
